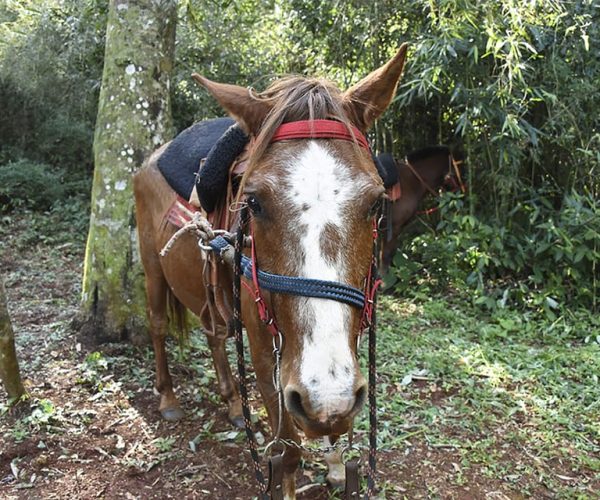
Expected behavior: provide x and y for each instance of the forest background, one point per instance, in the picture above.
(512, 86)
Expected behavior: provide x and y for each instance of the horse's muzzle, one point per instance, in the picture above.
(327, 419)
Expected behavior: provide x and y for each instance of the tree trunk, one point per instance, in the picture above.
(9, 367)
(134, 117)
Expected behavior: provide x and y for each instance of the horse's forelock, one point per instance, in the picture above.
(296, 98)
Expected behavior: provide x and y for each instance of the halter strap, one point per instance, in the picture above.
(320, 129)
(293, 285)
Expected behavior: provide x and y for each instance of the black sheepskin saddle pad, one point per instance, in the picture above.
(220, 141)
(388, 171)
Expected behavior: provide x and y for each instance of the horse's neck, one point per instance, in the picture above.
(431, 171)
(412, 187)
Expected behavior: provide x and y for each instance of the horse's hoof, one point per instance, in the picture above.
(237, 422)
(172, 414)
(336, 483)
(336, 478)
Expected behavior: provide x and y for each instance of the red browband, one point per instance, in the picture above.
(319, 129)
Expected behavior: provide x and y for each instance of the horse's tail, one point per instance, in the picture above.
(178, 321)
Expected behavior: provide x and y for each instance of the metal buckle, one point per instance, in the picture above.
(217, 232)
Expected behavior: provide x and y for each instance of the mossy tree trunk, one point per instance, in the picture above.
(134, 117)
(9, 366)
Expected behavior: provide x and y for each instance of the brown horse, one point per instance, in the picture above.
(424, 172)
(313, 202)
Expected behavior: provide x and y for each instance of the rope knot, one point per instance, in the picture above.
(199, 226)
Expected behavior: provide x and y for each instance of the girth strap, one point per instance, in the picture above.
(294, 285)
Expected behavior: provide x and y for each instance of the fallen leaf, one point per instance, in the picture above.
(565, 478)
(15, 470)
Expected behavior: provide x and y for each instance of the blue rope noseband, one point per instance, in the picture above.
(294, 285)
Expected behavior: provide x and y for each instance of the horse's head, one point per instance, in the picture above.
(313, 202)
(438, 168)
(453, 181)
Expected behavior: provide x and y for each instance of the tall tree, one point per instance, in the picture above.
(9, 366)
(134, 117)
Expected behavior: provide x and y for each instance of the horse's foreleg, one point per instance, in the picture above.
(287, 431)
(227, 386)
(336, 472)
(291, 454)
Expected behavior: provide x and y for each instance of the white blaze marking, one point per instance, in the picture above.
(321, 183)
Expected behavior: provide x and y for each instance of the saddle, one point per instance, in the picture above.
(386, 167)
(199, 159)
(388, 171)
(203, 165)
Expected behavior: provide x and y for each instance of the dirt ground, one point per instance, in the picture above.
(94, 430)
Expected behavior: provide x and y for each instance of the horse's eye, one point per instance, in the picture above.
(253, 204)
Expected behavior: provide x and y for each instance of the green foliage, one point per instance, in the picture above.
(487, 384)
(42, 416)
(545, 260)
(512, 81)
(248, 52)
(164, 444)
(35, 186)
(50, 67)
(64, 226)
(30, 185)
(92, 370)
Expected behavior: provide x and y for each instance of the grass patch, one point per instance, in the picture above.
(514, 395)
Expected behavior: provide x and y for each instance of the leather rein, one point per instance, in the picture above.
(247, 267)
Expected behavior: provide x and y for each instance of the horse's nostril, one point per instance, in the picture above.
(359, 399)
(293, 402)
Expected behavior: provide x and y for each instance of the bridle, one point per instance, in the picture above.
(247, 267)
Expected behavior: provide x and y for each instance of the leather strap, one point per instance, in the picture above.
(320, 129)
(419, 178)
(352, 481)
(275, 482)
(293, 285)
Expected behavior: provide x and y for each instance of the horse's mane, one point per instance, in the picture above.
(297, 98)
(426, 152)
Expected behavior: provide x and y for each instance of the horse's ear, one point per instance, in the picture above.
(247, 110)
(370, 97)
